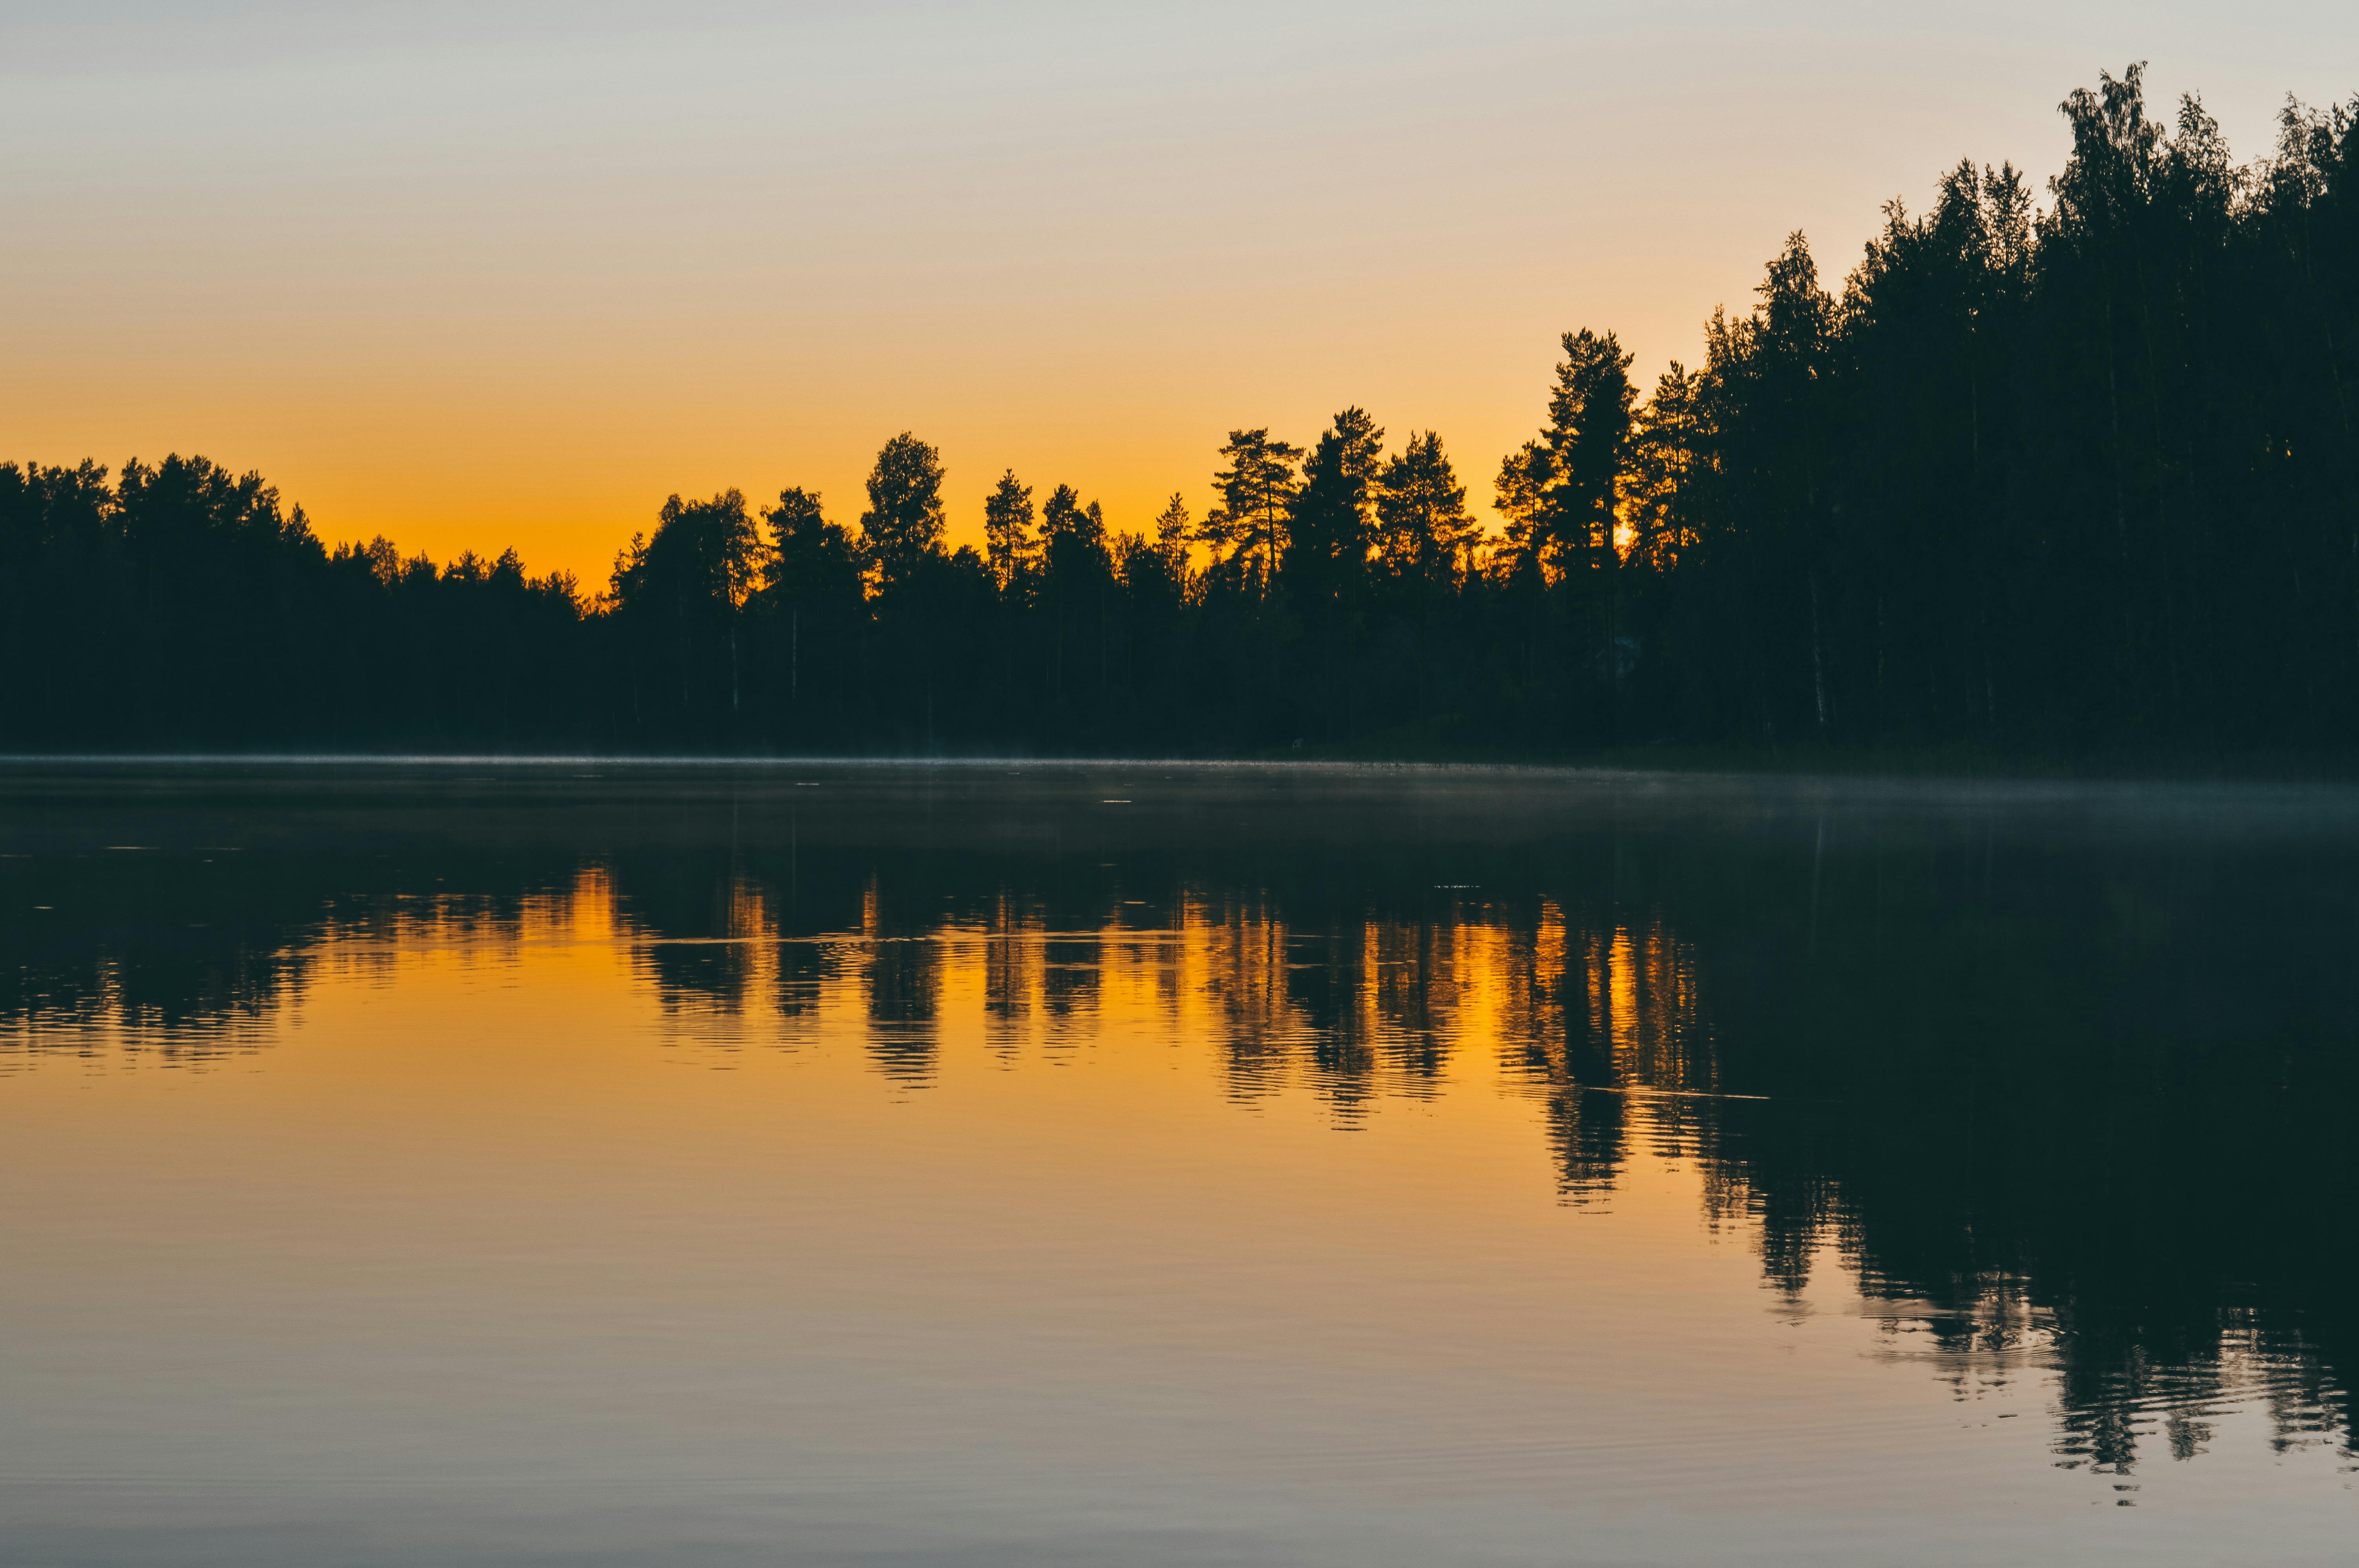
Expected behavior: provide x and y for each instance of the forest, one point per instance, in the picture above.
(2066, 477)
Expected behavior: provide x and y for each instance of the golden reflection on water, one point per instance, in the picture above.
(1354, 1133)
(1353, 1015)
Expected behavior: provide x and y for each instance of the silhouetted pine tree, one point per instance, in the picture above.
(2063, 479)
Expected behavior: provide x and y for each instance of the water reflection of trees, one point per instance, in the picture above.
(2091, 1107)
(2030, 1126)
(2092, 1121)
(185, 956)
(2039, 1124)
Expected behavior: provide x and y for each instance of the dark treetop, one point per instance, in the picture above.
(2055, 478)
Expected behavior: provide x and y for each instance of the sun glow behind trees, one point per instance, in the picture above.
(513, 272)
(2062, 478)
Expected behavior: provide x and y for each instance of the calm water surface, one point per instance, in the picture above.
(595, 1163)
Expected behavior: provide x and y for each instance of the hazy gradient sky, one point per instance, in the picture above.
(484, 274)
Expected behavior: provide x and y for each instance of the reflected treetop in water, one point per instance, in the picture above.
(2062, 1078)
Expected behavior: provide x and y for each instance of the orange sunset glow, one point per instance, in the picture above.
(474, 1153)
(1019, 784)
(445, 276)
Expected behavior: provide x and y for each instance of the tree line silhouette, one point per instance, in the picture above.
(2062, 478)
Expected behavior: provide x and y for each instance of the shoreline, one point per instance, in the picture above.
(1918, 764)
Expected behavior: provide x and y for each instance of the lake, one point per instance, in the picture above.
(821, 1163)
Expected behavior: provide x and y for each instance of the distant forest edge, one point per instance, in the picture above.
(2061, 480)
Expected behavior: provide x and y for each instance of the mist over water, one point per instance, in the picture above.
(595, 1161)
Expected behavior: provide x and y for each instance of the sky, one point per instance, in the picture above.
(489, 273)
